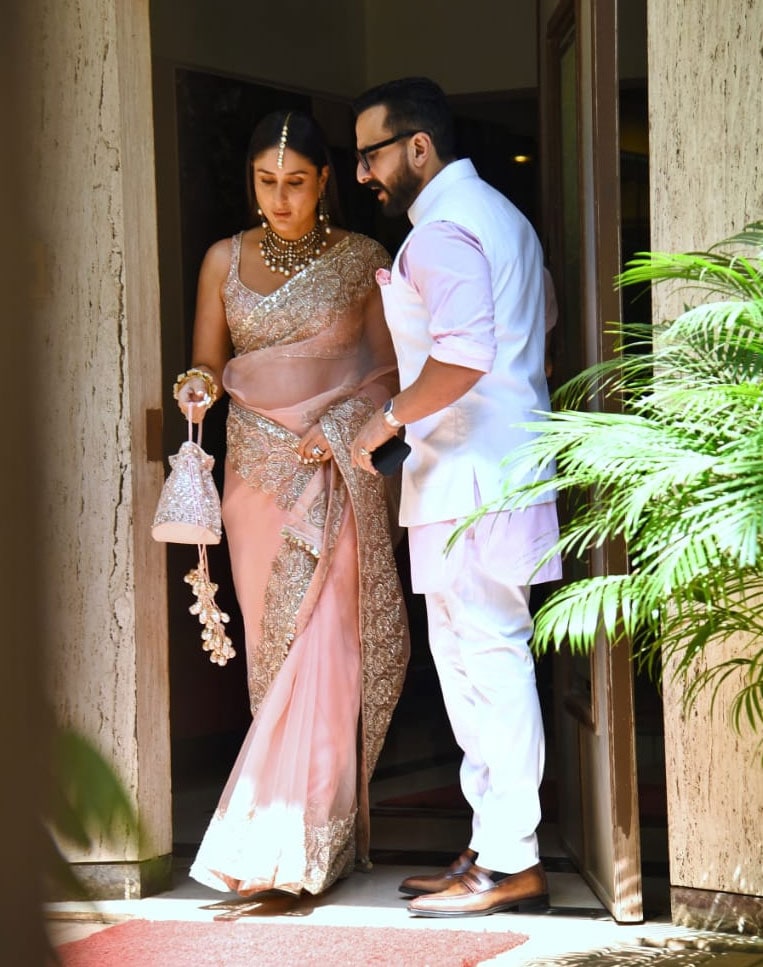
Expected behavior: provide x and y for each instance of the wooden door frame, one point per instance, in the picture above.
(604, 743)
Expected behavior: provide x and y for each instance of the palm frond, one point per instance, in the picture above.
(662, 447)
(751, 236)
(715, 271)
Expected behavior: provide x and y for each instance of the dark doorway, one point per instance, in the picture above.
(209, 705)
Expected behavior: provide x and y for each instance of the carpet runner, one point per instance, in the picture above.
(168, 943)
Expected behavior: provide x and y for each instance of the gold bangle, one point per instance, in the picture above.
(210, 387)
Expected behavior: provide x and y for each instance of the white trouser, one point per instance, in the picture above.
(479, 629)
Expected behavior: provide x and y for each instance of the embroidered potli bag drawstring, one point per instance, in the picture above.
(189, 513)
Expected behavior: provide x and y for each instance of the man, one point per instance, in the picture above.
(464, 302)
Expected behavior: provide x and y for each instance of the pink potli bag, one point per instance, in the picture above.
(188, 512)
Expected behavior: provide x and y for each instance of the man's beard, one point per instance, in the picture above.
(401, 194)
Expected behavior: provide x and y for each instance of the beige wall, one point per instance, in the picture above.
(339, 47)
(706, 173)
(487, 45)
(101, 583)
(296, 44)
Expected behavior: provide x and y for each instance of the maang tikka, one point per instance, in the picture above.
(282, 141)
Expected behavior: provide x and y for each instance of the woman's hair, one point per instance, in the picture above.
(414, 103)
(303, 136)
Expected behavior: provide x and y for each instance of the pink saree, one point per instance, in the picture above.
(325, 624)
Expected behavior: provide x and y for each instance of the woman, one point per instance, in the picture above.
(289, 322)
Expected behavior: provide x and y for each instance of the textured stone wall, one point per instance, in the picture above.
(706, 166)
(706, 173)
(94, 293)
(341, 47)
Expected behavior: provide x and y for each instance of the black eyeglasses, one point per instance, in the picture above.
(362, 153)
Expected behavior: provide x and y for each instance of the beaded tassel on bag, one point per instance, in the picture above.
(214, 619)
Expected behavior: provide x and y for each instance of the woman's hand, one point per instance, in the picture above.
(193, 395)
(314, 447)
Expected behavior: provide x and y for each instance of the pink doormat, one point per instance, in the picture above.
(172, 943)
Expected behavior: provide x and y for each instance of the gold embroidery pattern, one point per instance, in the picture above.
(293, 570)
(329, 853)
(384, 624)
(332, 284)
(265, 455)
(316, 513)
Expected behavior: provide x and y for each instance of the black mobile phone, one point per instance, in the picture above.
(390, 455)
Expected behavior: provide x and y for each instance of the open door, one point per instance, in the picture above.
(594, 707)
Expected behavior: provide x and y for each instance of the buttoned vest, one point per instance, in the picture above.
(458, 453)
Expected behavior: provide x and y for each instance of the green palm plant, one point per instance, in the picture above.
(662, 447)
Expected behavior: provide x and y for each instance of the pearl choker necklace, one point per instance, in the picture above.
(289, 257)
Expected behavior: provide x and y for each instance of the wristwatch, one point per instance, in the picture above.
(389, 416)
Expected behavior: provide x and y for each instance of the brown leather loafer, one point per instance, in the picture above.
(475, 894)
(436, 882)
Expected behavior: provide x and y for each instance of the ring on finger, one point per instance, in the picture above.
(363, 452)
(317, 451)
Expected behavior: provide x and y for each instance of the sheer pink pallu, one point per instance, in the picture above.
(325, 625)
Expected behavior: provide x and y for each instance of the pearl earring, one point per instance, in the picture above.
(323, 214)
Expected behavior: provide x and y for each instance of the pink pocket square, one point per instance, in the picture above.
(383, 276)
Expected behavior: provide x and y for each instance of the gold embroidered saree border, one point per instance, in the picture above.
(384, 636)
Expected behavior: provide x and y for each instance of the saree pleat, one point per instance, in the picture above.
(324, 618)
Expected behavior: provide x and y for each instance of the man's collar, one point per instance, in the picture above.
(442, 181)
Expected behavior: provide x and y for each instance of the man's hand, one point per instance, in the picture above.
(438, 385)
(372, 434)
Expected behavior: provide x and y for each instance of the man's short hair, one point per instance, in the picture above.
(414, 103)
